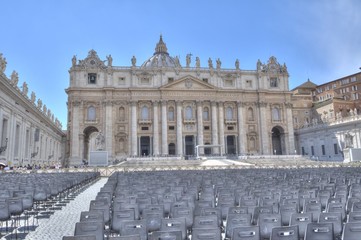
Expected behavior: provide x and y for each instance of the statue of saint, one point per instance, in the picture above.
(188, 59)
(45, 109)
(176, 59)
(198, 62)
(33, 97)
(210, 63)
(25, 88)
(14, 78)
(134, 61)
(73, 61)
(40, 103)
(219, 63)
(237, 64)
(259, 65)
(99, 141)
(110, 60)
(3, 63)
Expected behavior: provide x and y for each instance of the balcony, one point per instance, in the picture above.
(144, 121)
(230, 121)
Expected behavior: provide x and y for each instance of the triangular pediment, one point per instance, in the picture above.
(188, 83)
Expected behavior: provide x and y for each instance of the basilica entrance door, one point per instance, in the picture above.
(277, 141)
(189, 144)
(145, 146)
(231, 144)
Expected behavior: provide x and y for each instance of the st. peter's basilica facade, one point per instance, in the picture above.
(164, 109)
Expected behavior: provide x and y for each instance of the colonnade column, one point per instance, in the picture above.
(265, 147)
(200, 126)
(241, 133)
(74, 144)
(164, 129)
(179, 129)
(134, 128)
(221, 126)
(109, 128)
(155, 129)
(214, 126)
(290, 136)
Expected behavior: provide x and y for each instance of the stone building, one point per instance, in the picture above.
(29, 133)
(162, 108)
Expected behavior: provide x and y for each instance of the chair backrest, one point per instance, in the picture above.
(174, 224)
(301, 219)
(119, 216)
(206, 234)
(129, 237)
(356, 207)
(267, 221)
(237, 220)
(285, 233)
(354, 217)
(210, 221)
(15, 205)
(134, 227)
(186, 212)
(85, 237)
(4, 211)
(335, 219)
(319, 231)
(91, 216)
(315, 209)
(246, 233)
(286, 211)
(90, 228)
(166, 235)
(351, 231)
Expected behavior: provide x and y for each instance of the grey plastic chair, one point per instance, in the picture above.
(319, 231)
(246, 233)
(351, 231)
(285, 233)
(206, 234)
(237, 220)
(90, 228)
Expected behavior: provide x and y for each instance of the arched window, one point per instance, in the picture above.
(189, 113)
(121, 114)
(205, 114)
(91, 113)
(229, 113)
(276, 116)
(171, 114)
(250, 115)
(145, 112)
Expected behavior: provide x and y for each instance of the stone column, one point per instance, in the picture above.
(200, 126)
(242, 140)
(109, 128)
(221, 126)
(164, 129)
(74, 138)
(179, 129)
(290, 137)
(214, 126)
(155, 129)
(264, 133)
(133, 129)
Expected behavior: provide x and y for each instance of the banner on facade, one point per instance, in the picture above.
(98, 158)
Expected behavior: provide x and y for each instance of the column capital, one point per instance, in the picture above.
(214, 103)
(155, 102)
(133, 102)
(164, 102)
(199, 102)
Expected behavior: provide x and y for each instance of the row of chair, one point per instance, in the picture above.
(36, 195)
(321, 203)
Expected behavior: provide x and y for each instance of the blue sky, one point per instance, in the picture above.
(317, 39)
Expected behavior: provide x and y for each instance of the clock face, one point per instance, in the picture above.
(92, 62)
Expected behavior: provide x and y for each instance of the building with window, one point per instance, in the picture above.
(162, 108)
(29, 132)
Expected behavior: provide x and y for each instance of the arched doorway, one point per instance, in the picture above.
(90, 134)
(277, 140)
(231, 144)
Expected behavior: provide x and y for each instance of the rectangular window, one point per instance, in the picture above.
(145, 128)
(170, 80)
(303, 150)
(206, 127)
(230, 128)
(17, 140)
(323, 150)
(353, 79)
(171, 128)
(273, 82)
(335, 148)
(312, 151)
(92, 78)
(334, 85)
(205, 80)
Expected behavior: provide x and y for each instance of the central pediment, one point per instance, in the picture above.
(188, 83)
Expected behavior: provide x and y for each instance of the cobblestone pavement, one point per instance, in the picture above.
(62, 222)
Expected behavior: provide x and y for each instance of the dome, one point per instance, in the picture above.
(161, 57)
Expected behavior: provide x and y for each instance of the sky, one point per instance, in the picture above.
(318, 40)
